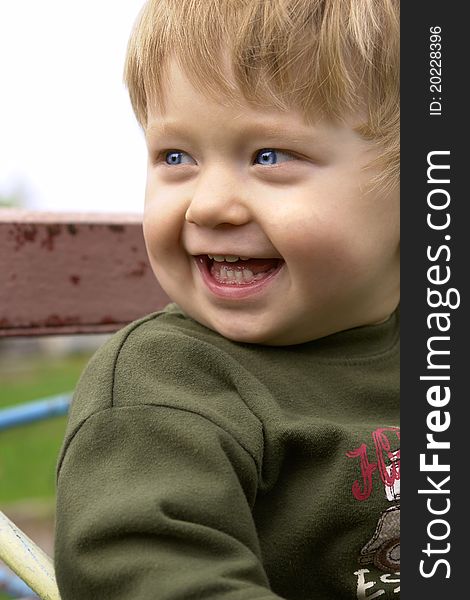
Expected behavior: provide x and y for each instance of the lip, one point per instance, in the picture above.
(234, 291)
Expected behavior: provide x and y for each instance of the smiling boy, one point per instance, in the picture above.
(237, 444)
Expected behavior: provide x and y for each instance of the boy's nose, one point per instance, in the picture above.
(218, 201)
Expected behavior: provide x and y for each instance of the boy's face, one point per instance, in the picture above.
(259, 183)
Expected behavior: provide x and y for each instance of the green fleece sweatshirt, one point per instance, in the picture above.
(195, 467)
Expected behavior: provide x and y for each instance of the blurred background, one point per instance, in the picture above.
(68, 142)
(68, 137)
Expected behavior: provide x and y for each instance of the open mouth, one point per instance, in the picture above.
(232, 270)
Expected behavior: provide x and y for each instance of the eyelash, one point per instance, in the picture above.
(162, 156)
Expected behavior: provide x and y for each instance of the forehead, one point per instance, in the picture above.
(183, 103)
(180, 87)
(181, 96)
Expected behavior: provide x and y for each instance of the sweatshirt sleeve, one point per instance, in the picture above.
(154, 501)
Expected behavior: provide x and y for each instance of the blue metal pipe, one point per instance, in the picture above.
(13, 586)
(35, 411)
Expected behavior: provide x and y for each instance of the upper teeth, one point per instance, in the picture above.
(227, 257)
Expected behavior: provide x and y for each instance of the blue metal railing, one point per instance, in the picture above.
(35, 411)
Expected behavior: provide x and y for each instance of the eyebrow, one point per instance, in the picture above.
(266, 130)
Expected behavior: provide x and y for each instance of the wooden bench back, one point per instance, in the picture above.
(63, 273)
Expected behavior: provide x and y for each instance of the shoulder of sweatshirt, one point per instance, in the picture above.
(166, 359)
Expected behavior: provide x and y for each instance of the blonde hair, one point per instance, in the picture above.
(322, 57)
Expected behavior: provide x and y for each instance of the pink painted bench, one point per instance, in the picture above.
(65, 273)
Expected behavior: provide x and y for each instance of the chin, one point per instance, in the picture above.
(245, 336)
(244, 332)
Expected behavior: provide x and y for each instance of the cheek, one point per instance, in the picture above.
(329, 252)
(162, 225)
(307, 239)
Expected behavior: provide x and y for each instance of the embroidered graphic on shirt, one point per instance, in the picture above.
(383, 548)
(370, 587)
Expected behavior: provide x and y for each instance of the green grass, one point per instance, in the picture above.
(34, 377)
(28, 453)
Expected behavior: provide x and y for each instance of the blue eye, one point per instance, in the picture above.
(267, 156)
(176, 157)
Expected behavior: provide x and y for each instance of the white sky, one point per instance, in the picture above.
(68, 136)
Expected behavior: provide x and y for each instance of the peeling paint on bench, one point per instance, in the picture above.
(73, 273)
